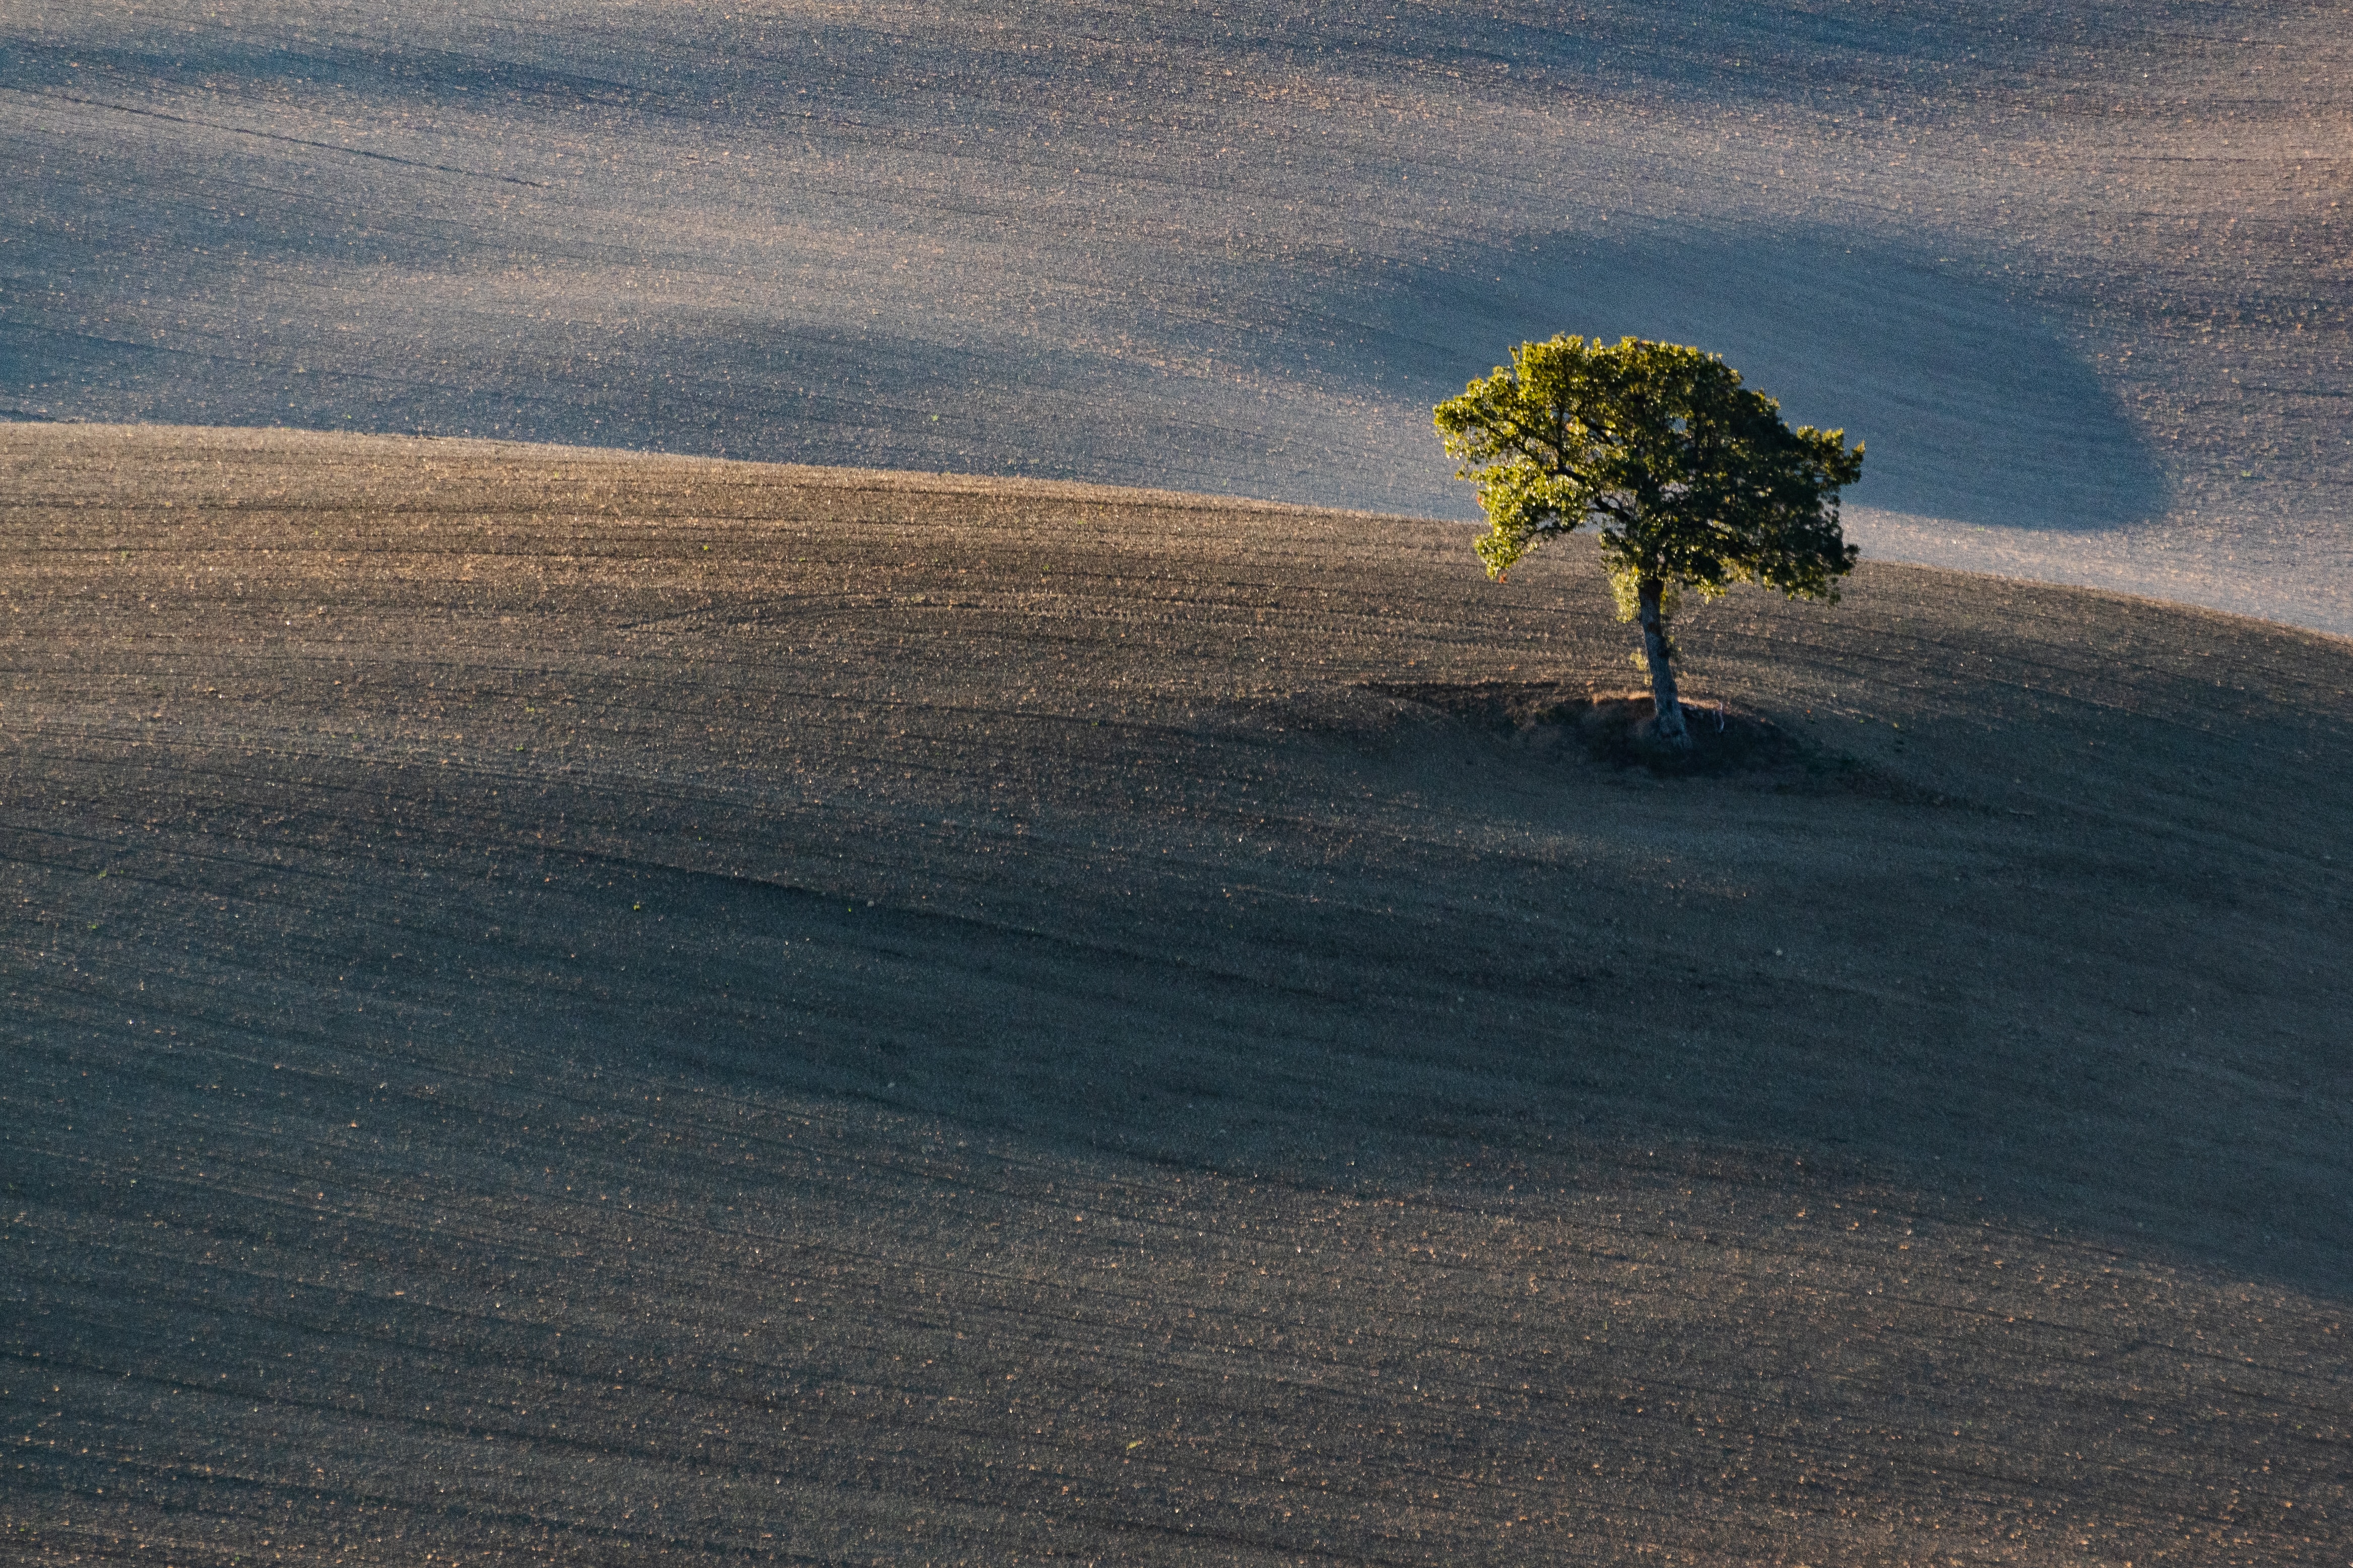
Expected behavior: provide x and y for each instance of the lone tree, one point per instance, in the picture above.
(1693, 480)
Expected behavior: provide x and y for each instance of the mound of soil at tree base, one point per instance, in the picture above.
(1622, 728)
(565, 1005)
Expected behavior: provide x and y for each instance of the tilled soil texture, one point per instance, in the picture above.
(576, 1008)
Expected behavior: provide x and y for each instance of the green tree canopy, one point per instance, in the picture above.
(1692, 480)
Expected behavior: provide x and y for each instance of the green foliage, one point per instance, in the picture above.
(1693, 480)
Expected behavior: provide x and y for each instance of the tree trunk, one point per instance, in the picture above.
(1670, 727)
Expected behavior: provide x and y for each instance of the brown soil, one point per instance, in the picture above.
(1622, 728)
(565, 1006)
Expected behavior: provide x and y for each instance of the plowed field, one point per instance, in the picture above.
(573, 1007)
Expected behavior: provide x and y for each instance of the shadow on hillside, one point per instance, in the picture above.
(1213, 1009)
(1283, 367)
(1350, 1050)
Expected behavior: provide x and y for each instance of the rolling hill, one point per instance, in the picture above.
(572, 1005)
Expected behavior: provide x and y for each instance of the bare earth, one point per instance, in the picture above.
(573, 1007)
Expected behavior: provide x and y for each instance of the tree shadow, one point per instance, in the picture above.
(1971, 399)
